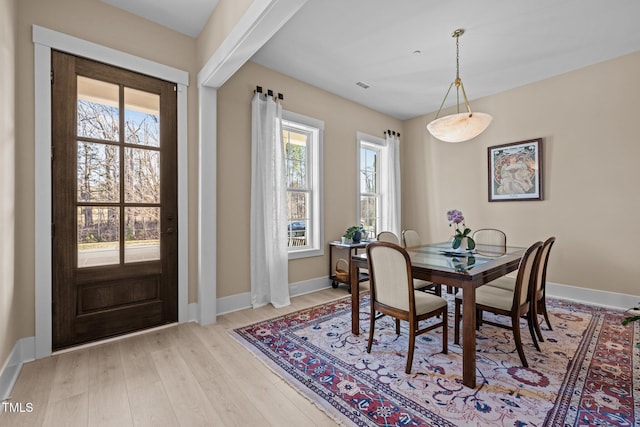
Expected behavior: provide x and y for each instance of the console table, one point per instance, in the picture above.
(350, 249)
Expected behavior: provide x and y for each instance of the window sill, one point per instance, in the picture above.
(306, 253)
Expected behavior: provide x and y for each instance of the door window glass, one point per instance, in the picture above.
(98, 111)
(98, 170)
(98, 236)
(142, 234)
(142, 168)
(119, 169)
(141, 117)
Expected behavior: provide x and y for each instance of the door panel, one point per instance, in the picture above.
(114, 201)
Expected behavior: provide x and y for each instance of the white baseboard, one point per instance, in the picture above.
(233, 303)
(592, 296)
(23, 351)
(242, 301)
(192, 312)
(309, 286)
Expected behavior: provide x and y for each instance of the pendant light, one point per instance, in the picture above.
(458, 127)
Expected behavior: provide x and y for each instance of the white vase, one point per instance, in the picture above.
(463, 246)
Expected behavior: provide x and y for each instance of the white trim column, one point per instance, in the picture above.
(207, 215)
(43, 214)
(183, 205)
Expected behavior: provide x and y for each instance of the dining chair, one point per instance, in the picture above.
(539, 293)
(412, 238)
(389, 237)
(514, 303)
(392, 293)
(490, 236)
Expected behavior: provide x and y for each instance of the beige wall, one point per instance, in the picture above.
(224, 17)
(9, 303)
(588, 119)
(342, 120)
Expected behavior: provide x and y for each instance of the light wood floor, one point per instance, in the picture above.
(181, 375)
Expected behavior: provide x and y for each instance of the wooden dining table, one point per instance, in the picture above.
(439, 264)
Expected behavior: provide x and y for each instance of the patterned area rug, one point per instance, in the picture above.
(588, 372)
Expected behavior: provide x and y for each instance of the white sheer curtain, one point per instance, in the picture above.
(269, 258)
(391, 185)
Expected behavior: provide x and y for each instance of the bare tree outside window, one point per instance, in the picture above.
(298, 191)
(101, 165)
(369, 192)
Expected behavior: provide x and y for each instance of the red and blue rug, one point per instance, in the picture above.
(588, 372)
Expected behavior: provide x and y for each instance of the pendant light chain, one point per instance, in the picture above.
(458, 71)
(457, 57)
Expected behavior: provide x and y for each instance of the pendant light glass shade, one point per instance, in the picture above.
(458, 127)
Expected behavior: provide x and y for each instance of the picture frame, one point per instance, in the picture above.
(515, 171)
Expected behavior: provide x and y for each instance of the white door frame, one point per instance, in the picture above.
(44, 40)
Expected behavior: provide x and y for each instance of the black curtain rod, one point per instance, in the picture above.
(269, 92)
(392, 132)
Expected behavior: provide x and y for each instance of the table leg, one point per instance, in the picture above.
(354, 280)
(469, 336)
(330, 260)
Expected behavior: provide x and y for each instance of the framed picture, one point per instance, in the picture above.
(515, 171)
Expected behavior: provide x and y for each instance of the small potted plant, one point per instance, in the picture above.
(461, 239)
(635, 316)
(353, 234)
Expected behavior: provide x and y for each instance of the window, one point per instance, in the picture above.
(371, 152)
(302, 138)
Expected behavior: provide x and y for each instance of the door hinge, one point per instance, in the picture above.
(175, 88)
(51, 76)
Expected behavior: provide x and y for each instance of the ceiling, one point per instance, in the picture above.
(184, 16)
(404, 51)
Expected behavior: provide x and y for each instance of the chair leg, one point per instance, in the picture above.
(515, 326)
(449, 289)
(412, 344)
(543, 309)
(456, 325)
(532, 322)
(397, 326)
(536, 325)
(372, 325)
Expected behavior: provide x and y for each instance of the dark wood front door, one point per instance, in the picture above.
(114, 201)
